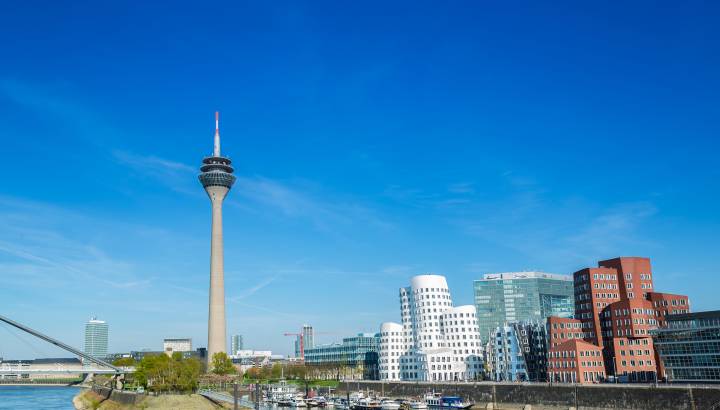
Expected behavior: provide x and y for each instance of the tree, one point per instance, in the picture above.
(296, 371)
(160, 373)
(253, 373)
(222, 364)
(124, 362)
(276, 371)
(265, 372)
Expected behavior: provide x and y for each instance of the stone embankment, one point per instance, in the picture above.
(540, 396)
(102, 398)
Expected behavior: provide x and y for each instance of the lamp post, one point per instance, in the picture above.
(235, 395)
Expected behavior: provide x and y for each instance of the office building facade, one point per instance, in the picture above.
(438, 341)
(504, 356)
(689, 347)
(532, 338)
(96, 338)
(308, 337)
(236, 343)
(502, 298)
(171, 346)
(359, 352)
(616, 308)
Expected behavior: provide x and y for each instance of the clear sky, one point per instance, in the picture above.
(372, 141)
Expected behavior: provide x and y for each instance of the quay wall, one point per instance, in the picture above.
(556, 396)
(117, 396)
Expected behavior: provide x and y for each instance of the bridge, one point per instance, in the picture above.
(11, 370)
(25, 368)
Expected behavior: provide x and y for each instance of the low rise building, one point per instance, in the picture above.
(576, 361)
(689, 347)
(358, 353)
(171, 346)
(247, 359)
(57, 368)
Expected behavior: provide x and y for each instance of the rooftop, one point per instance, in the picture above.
(525, 275)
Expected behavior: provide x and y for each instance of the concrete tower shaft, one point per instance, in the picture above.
(217, 179)
(216, 310)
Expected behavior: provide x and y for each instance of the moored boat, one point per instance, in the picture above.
(341, 404)
(436, 400)
(417, 405)
(390, 405)
(367, 404)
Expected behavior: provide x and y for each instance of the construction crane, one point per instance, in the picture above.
(301, 338)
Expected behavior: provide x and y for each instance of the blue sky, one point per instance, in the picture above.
(372, 141)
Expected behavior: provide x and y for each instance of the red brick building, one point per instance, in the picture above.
(576, 361)
(615, 308)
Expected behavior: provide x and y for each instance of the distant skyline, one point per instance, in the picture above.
(372, 142)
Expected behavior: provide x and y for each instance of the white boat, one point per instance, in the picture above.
(281, 391)
(390, 405)
(418, 405)
(297, 402)
(437, 400)
(341, 404)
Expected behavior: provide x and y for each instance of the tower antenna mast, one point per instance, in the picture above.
(216, 149)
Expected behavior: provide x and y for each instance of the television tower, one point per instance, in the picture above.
(217, 178)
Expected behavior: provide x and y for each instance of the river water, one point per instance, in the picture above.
(37, 397)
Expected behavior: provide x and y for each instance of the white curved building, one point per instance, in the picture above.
(392, 346)
(438, 342)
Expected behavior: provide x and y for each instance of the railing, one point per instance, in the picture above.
(25, 369)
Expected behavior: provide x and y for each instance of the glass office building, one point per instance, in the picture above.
(503, 298)
(689, 347)
(96, 339)
(308, 337)
(356, 351)
(236, 343)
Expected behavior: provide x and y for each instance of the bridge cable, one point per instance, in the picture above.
(23, 341)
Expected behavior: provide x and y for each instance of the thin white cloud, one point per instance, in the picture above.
(33, 233)
(175, 175)
(462, 188)
(260, 194)
(253, 290)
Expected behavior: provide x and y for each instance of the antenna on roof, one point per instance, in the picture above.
(216, 150)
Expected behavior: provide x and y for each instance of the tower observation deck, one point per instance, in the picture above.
(216, 176)
(216, 169)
